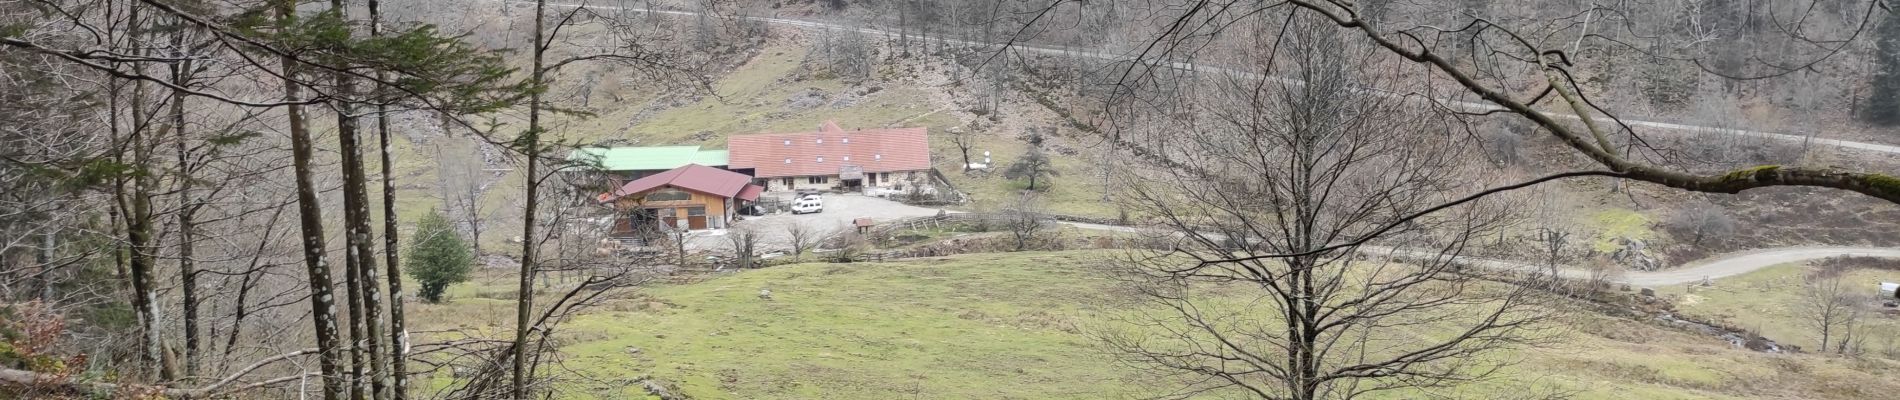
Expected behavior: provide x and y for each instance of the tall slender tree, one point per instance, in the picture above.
(310, 219)
(530, 142)
(398, 334)
(365, 318)
(187, 267)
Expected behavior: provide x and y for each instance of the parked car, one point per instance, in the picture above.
(801, 194)
(808, 205)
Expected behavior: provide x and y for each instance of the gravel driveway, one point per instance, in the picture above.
(840, 209)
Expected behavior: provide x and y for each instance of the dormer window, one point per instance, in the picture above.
(847, 158)
(876, 157)
(788, 161)
(821, 140)
(844, 140)
(788, 143)
(821, 159)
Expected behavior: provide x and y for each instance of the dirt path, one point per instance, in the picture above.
(1716, 267)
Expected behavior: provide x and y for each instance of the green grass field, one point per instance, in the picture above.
(1021, 325)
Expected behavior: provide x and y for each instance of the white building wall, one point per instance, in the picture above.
(884, 180)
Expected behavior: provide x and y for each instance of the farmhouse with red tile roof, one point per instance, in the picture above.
(833, 157)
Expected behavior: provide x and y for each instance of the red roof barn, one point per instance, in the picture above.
(830, 151)
(701, 196)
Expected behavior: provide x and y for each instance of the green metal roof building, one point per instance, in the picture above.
(657, 158)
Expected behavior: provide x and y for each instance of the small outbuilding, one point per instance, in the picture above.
(690, 197)
(1887, 289)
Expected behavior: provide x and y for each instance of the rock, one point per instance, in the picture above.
(499, 262)
(1647, 292)
(808, 98)
(633, 350)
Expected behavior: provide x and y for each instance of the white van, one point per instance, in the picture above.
(808, 205)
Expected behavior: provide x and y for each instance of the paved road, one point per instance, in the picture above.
(1744, 262)
(1213, 69)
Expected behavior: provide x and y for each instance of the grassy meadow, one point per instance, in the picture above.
(1025, 325)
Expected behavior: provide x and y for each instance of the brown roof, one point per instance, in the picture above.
(828, 150)
(694, 177)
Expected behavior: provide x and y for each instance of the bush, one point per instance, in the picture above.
(1699, 222)
(437, 257)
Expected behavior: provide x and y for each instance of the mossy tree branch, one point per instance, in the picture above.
(1882, 186)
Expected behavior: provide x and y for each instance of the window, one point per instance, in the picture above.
(815, 180)
(668, 195)
(821, 140)
(788, 142)
(821, 159)
(847, 158)
(844, 140)
(884, 176)
(875, 157)
(788, 161)
(696, 211)
(788, 182)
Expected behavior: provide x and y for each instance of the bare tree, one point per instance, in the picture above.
(1024, 219)
(1531, 69)
(964, 139)
(463, 185)
(1262, 296)
(1554, 244)
(804, 237)
(1829, 306)
(745, 246)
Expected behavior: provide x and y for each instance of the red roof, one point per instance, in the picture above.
(750, 193)
(694, 177)
(829, 149)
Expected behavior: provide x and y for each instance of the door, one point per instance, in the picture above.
(696, 217)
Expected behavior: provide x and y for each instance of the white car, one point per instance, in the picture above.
(808, 205)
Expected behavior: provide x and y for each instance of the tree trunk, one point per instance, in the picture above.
(48, 244)
(903, 30)
(365, 317)
(525, 294)
(187, 268)
(398, 333)
(137, 207)
(310, 218)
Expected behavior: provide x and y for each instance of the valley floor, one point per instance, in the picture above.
(1024, 325)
